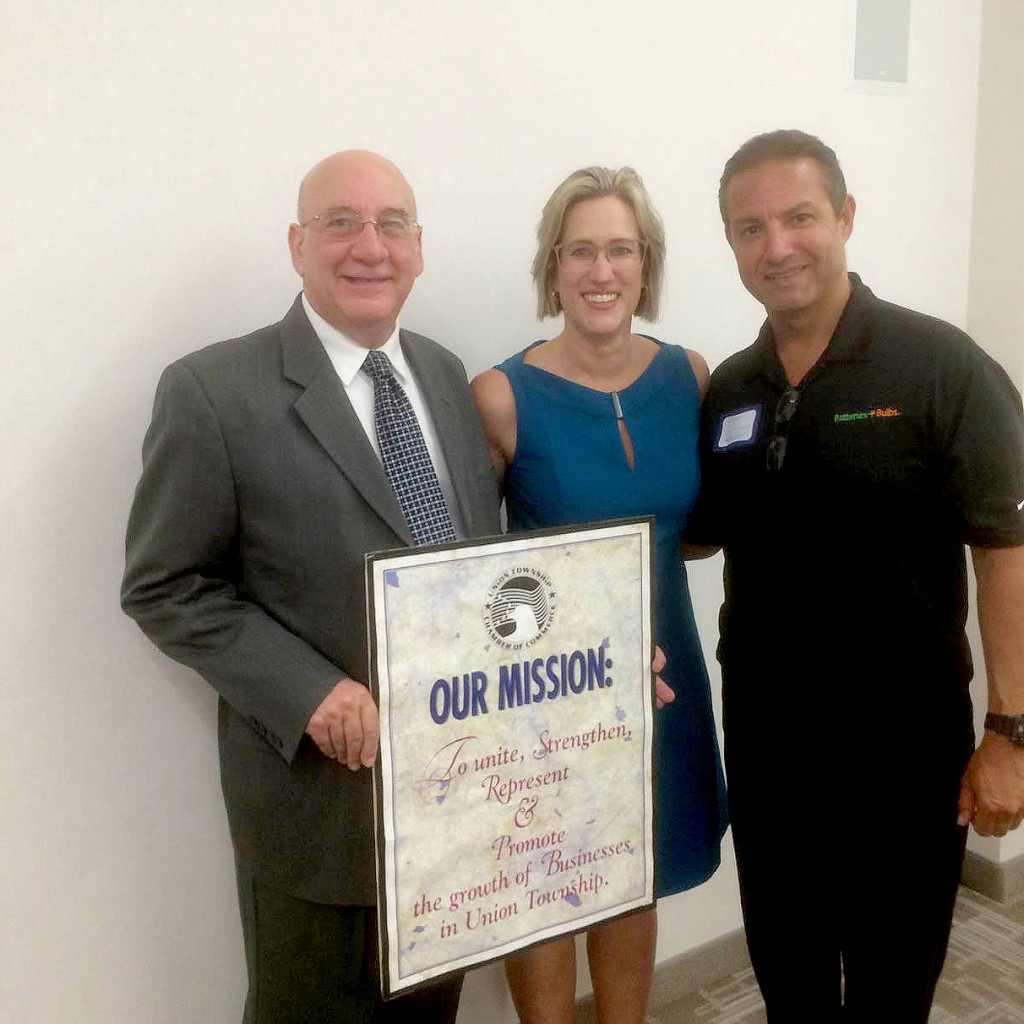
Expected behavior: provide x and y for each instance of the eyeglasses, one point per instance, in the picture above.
(576, 255)
(343, 225)
(785, 410)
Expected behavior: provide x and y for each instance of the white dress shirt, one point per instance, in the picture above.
(347, 358)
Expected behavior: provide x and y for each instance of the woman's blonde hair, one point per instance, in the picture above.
(596, 183)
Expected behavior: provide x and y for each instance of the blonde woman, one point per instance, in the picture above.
(599, 422)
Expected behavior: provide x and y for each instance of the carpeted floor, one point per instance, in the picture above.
(982, 981)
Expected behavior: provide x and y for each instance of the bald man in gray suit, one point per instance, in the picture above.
(262, 489)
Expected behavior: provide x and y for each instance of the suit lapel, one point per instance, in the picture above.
(451, 430)
(326, 411)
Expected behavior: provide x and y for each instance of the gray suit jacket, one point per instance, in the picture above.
(259, 496)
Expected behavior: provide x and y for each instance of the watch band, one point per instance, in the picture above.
(1011, 726)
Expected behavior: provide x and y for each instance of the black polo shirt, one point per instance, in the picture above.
(845, 572)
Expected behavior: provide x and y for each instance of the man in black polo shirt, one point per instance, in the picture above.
(848, 456)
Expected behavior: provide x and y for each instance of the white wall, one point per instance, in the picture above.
(151, 156)
(996, 300)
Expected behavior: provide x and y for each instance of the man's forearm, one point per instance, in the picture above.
(1000, 576)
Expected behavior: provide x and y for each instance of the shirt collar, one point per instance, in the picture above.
(850, 340)
(849, 343)
(348, 355)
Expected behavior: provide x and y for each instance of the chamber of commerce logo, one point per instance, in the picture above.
(519, 608)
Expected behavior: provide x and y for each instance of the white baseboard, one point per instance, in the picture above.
(1003, 883)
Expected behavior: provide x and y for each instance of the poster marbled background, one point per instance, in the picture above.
(515, 823)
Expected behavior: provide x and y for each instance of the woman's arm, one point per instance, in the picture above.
(497, 406)
(700, 371)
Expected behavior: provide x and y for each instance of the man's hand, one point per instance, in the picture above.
(663, 693)
(346, 725)
(992, 789)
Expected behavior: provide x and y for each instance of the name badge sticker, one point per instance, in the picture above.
(737, 428)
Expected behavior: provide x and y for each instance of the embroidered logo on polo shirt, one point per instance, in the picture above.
(868, 414)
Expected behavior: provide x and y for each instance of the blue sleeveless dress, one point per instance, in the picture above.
(570, 467)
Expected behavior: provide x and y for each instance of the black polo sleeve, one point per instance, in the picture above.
(980, 427)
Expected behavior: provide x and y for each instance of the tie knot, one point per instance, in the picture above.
(378, 366)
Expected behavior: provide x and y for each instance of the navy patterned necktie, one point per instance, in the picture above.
(404, 454)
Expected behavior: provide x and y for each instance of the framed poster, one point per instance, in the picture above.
(512, 797)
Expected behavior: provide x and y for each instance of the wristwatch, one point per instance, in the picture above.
(1011, 726)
